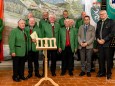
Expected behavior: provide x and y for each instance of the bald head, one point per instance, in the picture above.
(83, 14)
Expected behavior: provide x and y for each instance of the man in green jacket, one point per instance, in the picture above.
(65, 16)
(32, 52)
(67, 46)
(44, 19)
(30, 15)
(79, 22)
(51, 30)
(1, 30)
(18, 49)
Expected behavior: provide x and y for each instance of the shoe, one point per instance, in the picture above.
(88, 74)
(71, 73)
(23, 78)
(101, 75)
(109, 76)
(92, 70)
(82, 73)
(16, 79)
(29, 76)
(63, 73)
(53, 74)
(38, 75)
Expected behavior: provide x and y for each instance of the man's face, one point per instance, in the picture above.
(65, 14)
(83, 14)
(21, 24)
(32, 22)
(30, 15)
(67, 23)
(103, 15)
(51, 19)
(45, 15)
(86, 20)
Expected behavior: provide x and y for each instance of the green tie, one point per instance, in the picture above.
(101, 29)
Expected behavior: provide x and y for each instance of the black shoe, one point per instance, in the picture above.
(42, 75)
(53, 74)
(109, 76)
(101, 75)
(38, 75)
(29, 76)
(92, 70)
(82, 73)
(23, 78)
(63, 73)
(16, 79)
(71, 73)
(88, 74)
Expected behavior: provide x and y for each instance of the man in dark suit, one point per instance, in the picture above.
(104, 34)
(18, 50)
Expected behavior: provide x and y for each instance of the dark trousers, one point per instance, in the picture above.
(112, 56)
(104, 55)
(33, 58)
(52, 54)
(86, 59)
(18, 66)
(67, 59)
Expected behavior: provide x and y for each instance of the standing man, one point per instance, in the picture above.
(51, 30)
(67, 46)
(65, 16)
(44, 19)
(1, 30)
(30, 15)
(18, 50)
(79, 22)
(32, 52)
(104, 34)
(86, 36)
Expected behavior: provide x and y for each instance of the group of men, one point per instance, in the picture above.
(70, 38)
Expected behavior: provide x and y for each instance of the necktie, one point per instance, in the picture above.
(101, 29)
(85, 30)
(67, 37)
(53, 30)
(31, 30)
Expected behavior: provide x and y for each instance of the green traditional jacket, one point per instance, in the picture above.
(48, 33)
(31, 45)
(78, 23)
(18, 42)
(73, 39)
(61, 22)
(1, 28)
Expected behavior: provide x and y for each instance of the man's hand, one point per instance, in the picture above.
(59, 50)
(13, 54)
(101, 41)
(33, 40)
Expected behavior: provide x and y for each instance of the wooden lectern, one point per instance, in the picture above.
(46, 44)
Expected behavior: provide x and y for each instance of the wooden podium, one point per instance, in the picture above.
(42, 44)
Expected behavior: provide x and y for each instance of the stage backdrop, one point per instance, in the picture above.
(17, 9)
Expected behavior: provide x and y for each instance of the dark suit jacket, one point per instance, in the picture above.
(107, 31)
